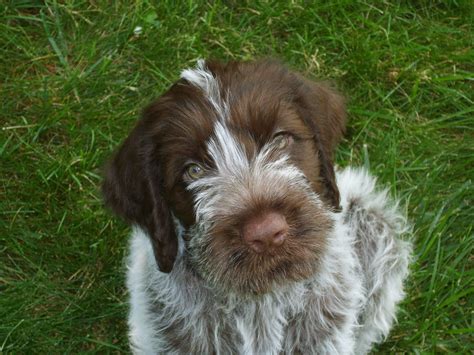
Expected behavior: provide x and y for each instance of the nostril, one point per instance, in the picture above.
(279, 238)
(257, 245)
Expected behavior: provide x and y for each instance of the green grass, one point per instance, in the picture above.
(73, 78)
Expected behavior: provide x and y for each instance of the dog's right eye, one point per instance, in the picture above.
(193, 172)
(282, 140)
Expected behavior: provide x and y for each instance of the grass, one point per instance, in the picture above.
(73, 78)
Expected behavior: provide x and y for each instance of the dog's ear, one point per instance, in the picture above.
(323, 110)
(132, 189)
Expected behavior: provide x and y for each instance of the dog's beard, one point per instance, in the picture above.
(218, 254)
(224, 202)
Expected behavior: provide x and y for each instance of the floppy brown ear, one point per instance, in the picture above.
(131, 188)
(323, 110)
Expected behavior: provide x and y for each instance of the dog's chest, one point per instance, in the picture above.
(246, 328)
(275, 324)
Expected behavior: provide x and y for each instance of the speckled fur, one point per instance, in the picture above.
(348, 305)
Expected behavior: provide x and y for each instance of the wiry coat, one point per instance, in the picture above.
(229, 145)
(346, 307)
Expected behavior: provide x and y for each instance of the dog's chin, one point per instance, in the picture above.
(237, 269)
(254, 282)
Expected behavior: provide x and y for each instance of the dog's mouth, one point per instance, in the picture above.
(259, 273)
(229, 263)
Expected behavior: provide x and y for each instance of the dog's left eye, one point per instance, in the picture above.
(282, 140)
(194, 172)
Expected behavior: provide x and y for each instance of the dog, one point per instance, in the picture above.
(245, 239)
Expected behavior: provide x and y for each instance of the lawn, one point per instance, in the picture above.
(74, 76)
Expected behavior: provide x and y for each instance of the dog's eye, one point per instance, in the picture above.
(282, 140)
(194, 171)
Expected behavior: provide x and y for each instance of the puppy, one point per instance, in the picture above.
(245, 240)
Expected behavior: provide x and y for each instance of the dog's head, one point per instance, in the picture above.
(241, 154)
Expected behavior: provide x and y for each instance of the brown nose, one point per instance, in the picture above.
(265, 232)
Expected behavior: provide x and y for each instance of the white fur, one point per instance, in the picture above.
(139, 276)
(384, 260)
(237, 175)
(201, 77)
(226, 152)
(360, 278)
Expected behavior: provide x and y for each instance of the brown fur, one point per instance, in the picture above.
(144, 184)
(228, 263)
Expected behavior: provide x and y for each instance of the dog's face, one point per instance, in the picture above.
(241, 155)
